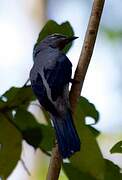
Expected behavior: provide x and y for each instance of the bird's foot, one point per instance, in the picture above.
(74, 81)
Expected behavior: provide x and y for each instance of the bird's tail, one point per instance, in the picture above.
(66, 134)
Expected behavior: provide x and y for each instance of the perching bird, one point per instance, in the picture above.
(50, 77)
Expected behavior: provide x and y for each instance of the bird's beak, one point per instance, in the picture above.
(70, 39)
(66, 41)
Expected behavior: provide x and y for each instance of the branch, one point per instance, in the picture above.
(80, 73)
(55, 164)
(86, 52)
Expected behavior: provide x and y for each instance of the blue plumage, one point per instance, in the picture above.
(59, 76)
(50, 77)
(67, 137)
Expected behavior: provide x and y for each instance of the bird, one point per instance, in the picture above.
(50, 77)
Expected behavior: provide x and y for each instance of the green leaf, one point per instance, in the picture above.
(25, 120)
(112, 171)
(117, 148)
(88, 109)
(29, 127)
(52, 27)
(10, 147)
(89, 159)
(74, 173)
(48, 138)
(94, 131)
(36, 134)
(2, 103)
(17, 96)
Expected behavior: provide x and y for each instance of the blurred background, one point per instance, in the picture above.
(20, 24)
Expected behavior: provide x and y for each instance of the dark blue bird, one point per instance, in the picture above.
(50, 77)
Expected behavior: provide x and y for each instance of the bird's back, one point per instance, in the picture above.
(50, 77)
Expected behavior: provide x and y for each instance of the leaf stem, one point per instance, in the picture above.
(25, 167)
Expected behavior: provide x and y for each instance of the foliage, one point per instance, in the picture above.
(117, 148)
(89, 146)
(74, 173)
(10, 146)
(17, 123)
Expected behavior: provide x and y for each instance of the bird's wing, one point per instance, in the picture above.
(59, 75)
(41, 93)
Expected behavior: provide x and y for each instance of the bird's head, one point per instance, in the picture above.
(58, 40)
